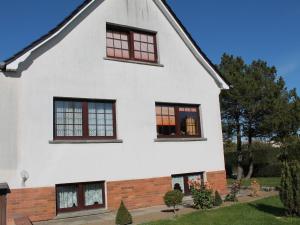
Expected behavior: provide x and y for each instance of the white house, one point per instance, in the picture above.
(115, 103)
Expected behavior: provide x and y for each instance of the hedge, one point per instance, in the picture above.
(266, 159)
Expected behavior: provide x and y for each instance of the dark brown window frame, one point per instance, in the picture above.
(130, 32)
(177, 124)
(80, 197)
(85, 119)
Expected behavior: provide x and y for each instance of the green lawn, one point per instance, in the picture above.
(263, 181)
(267, 211)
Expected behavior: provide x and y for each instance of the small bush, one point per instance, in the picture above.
(173, 199)
(235, 188)
(123, 215)
(202, 195)
(218, 200)
(255, 188)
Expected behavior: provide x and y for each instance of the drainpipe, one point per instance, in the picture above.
(4, 190)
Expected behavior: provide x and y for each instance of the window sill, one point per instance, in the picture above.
(85, 141)
(133, 61)
(179, 139)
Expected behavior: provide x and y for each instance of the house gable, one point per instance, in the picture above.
(12, 64)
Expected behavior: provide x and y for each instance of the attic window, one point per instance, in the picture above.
(131, 44)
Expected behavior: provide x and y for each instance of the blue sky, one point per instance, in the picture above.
(256, 29)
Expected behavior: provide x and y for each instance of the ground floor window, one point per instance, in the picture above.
(181, 181)
(80, 196)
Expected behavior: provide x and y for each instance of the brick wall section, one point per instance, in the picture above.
(36, 203)
(218, 181)
(138, 193)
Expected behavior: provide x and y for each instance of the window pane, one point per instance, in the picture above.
(109, 34)
(151, 57)
(118, 53)
(151, 48)
(60, 131)
(124, 37)
(60, 118)
(92, 130)
(101, 130)
(137, 46)
(109, 131)
(67, 197)
(144, 38)
(144, 47)
(144, 56)
(124, 45)
(136, 37)
(158, 110)
(188, 121)
(93, 194)
(165, 120)
(117, 45)
(109, 43)
(108, 108)
(125, 54)
(137, 55)
(178, 183)
(100, 119)
(150, 39)
(116, 35)
(100, 107)
(110, 52)
(159, 120)
(78, 130)
(68, 118)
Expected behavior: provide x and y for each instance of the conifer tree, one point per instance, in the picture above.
(123, 215)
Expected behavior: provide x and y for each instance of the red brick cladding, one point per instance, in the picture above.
(138, 193)
(36, 203)
(218, 181)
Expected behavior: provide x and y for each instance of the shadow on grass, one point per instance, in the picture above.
(273, 210)
(169, 210)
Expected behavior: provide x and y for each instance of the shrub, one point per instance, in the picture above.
(255, 188)
(202, 195)
(218, 200)
(123, 215)
(173, 198)
(235, 188)
(290, 187)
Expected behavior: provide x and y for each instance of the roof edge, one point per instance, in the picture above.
(24, 52)
(168, 7)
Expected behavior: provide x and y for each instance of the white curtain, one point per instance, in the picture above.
(67, 197)
(93, 194)
(195, 178)
(178, 180)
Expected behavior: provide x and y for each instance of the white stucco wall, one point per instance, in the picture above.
(73, 66)
(8, 127)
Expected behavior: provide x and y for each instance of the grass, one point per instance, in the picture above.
(268, 211)
(263, 181)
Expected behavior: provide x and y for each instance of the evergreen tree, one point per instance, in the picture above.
(218, 200)
(123, 215)
(258, 105)
(290, 185)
